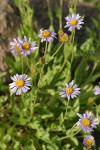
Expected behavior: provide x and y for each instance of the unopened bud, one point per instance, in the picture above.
(42, 60)
(34, 70)
(90, 100)
(60, 32)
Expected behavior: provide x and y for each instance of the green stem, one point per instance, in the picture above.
(50, 13)
(41, 76)
(75, 5)
(52, 57)
(65, 137)
(73, 126)
(46, 45)
(31, 103)
(27, 60)
(57, 50)
(22, 63)
(66, 110)
(60, 17)
(94, 67)
(35, 100)
(76, 132)
(97, 109)
(36, 64)
(71, 44)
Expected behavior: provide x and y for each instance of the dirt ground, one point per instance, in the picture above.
(10, 21)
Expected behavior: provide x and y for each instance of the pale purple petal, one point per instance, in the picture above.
(18, 89)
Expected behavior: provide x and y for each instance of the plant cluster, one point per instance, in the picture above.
(48, 93)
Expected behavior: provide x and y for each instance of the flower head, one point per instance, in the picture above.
(97, 91)
(15, 48)
(20, 84)
(71, 90)
(88, 141)
(27, 46)
(87, 121)
(74, 21)
(63, 38)
(47, 35)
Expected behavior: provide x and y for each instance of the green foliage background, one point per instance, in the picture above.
(41, 119)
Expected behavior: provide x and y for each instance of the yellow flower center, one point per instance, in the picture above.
(20, 83)
(86, 122)
(89, 142)
(26, 46)
(69, 90)
(46, 34)
(64, 38)
(17, 48)
(73, 22)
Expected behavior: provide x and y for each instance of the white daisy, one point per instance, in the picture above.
(73, 21)
(20, 84)
(71, 90)
(27, 46)
(47, 35)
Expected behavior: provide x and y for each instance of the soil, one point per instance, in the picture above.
(9, 21)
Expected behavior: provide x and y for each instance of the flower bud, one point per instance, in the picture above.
(34, 70)
(60, 32)
(42, 60)
(90, 100)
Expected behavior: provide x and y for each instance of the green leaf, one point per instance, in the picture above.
(61, 118)
(88, 47)
(81, 72)
(52, 146)
(23, 121)
(3, 99)
(42, 134)
(2, 146)
(6, 138)
(57, 11)
(74, 140)
(76, 105)
(9, 61)
(66, 51)
(35, 123)
(94, 77)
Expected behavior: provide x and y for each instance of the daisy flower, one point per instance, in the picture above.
(97, 91)
(21, 83)
(88, 141)
(47, 35)
(87, 121)
(15, 49)
(27, 46)
(71, 90)
(73, 21)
